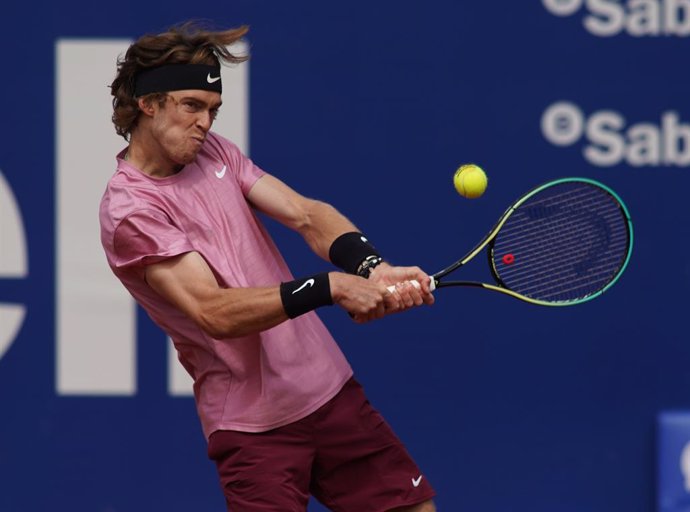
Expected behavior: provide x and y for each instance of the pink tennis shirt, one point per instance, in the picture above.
(252, 383)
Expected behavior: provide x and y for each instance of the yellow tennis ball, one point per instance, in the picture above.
(470, 181)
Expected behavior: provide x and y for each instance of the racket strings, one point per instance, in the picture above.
(545, 287)
(578, 242)
(549, 279)
(600, 269)
(577, 238)
(565, 243)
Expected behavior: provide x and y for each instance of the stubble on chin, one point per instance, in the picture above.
(186, 157)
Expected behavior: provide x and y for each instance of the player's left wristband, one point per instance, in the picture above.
(303, 295)
(354, 254)
(370, 263)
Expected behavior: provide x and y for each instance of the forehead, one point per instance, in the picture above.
(207, 97)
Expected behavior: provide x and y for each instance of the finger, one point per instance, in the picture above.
(424, 281)
(405, 290)
(390, 299)
(429, 298)
(359, 319)
(380, 310)
(391, 306)
(393, 301)
(416, 297)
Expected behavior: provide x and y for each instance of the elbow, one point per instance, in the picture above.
(217, 327)
(304, 223)
(300, 221)
(222, 327)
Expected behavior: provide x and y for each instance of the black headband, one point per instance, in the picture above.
(177, 77)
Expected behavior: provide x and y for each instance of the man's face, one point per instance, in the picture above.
(180, 125)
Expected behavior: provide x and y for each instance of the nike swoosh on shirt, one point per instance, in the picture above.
(417, 481)
(212, 79)
(308, 282)
(221, 173)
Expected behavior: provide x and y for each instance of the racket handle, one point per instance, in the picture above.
(415, 283)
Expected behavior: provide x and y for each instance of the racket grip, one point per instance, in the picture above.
(415, 283)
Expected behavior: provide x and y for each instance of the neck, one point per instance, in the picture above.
(146, 155)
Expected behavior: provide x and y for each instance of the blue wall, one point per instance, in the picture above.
(371, 106)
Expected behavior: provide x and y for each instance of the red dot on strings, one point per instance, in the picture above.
(508, 259)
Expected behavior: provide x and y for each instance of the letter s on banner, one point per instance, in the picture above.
(96, 317)
(608, 146)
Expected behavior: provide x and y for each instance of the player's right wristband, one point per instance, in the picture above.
(350, 250)
(303, 295)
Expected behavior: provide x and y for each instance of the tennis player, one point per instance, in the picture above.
(282, 413)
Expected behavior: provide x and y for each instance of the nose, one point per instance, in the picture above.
(204, 120)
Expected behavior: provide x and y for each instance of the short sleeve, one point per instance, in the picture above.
(145, 237)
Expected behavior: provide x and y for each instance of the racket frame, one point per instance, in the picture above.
(491, 235)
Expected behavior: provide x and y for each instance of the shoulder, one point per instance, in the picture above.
(125, 187)
(221, 147)
(126, 193)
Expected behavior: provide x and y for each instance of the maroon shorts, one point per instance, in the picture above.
(344, 454)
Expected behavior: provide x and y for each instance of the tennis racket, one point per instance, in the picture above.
(563, 243)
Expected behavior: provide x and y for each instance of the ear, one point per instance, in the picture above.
(146, 106)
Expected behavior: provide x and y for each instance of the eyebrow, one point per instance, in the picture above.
(213, 106)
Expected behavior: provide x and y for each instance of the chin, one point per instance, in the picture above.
(187, 158)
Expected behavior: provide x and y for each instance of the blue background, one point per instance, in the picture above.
(371, 106)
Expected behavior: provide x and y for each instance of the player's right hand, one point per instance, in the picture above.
(364, 300)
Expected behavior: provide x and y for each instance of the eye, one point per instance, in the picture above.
(191, 106)
(214, 113)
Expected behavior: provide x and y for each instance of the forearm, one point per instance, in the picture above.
(319, 223)
(322, 225)
(187, 282)
(235, 312)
